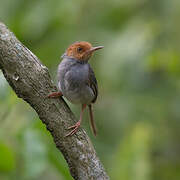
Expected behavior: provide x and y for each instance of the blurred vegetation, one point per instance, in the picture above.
(137, 112)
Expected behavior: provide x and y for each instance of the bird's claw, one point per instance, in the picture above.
(54, 95)
(75, 129)
(49, 96)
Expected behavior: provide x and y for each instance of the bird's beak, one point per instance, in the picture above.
(95, 48)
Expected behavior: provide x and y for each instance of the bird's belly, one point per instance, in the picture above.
(73, 83)
(83, 95)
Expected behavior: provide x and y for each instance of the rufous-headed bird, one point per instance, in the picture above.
(77, 81)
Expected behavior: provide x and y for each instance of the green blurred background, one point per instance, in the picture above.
(137, 111)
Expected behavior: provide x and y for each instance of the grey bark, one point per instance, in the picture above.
(31, 81)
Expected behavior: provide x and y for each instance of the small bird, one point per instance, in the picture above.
(77, 81)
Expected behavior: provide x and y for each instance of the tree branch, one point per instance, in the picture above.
(31, 81)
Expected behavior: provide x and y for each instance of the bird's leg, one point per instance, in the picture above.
(77, 125)
(92, 119)
(55, 95)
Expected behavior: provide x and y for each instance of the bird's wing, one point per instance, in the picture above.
(92, 83)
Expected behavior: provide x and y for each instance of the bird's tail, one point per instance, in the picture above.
(92, 120)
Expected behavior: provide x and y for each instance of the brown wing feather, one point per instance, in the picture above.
(93, 84)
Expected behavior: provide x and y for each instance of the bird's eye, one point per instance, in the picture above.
(79, 49)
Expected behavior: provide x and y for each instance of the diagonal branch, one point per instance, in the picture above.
(31, 81)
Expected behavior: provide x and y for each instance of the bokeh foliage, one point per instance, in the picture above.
(137, 112)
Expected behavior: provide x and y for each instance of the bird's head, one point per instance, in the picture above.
(81, 51)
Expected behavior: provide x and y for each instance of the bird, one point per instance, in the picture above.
(77, 81)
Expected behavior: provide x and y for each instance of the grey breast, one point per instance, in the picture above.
(73, 81)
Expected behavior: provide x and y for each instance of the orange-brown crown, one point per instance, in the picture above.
(81, 50)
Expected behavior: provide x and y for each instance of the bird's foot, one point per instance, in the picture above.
(75, 129)
(55, 95)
